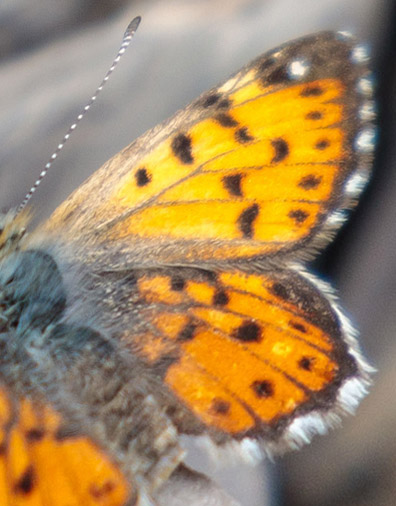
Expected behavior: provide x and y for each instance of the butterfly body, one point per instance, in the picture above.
(168, 295)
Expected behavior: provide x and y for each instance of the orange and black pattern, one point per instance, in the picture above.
(245, 351)
(43, 463)
(181, 259)
(250, 169)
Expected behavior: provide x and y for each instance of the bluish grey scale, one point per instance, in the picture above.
(100, 389)
(32, 291)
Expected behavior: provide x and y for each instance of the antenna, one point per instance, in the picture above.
(129, 33)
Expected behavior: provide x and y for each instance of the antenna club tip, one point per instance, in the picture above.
(133, 25)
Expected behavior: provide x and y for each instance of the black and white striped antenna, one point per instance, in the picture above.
(129, 33)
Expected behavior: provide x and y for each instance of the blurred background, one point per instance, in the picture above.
(54, 53)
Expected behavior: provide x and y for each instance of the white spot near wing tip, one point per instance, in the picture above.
(298, 68)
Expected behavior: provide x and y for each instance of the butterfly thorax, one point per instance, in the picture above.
(95, 374)
(31, 290)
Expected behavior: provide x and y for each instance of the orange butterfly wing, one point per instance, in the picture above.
(42, 462)
(246, 352)
(250, 177)
(254, 167)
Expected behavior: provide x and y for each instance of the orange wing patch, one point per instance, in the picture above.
(215, 187)
(248, 349)
(249, 169)
(42, 463)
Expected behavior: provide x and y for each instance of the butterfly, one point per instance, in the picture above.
(169, 295)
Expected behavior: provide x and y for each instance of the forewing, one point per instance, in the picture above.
(254, 167)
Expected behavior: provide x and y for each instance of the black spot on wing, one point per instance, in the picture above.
(220, 298)
(233, 184)
(177, 283)
(298, 326)
(216, 100)
(312, 91)
(298, 215)
(226, 120)
(225, 103)
(243, 136)
(314, 115)
(181, 147)
(101, 491)
(220, 406)
(281, 149)
(278, 76)
(306, 363)
(280, 290)
(210, 100)
(263, 388)
(322, 144)
(310, 182)
(25, 484)
(34, 435)
(248, 332)
(142, 177)
(246, 220)
(187, 333)
(266, 64)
